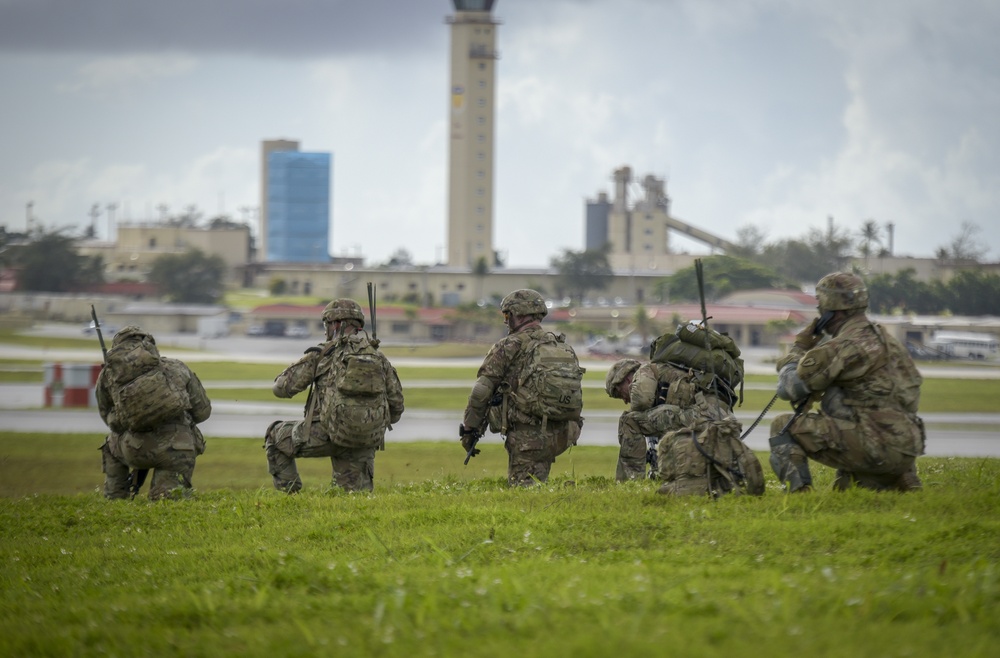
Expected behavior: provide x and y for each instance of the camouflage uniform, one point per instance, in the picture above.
(284, 441)
(867, 426)
(169, 450)
(531, 446)
(662, 398)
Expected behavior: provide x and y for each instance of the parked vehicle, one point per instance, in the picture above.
(297, 331)
(966, 345)
(107, 330)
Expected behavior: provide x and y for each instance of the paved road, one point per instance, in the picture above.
(966, 435)
(948, 434)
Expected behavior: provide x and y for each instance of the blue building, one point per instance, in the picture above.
(297, 207)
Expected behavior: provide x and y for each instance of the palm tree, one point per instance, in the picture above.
(870, 234)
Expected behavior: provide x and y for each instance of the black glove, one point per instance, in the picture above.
(469, 437)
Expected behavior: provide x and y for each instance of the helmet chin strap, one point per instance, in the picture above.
(340, 328)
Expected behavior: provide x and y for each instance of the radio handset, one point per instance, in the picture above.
(824, 320)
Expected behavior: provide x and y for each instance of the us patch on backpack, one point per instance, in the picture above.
(550, 386)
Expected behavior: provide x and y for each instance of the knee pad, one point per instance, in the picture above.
(269, 434)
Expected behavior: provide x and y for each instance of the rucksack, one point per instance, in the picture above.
(550, 384)
(356, 412)
(713, 356)
(143, 393)
(710, 459)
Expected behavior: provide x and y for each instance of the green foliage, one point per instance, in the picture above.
(277, 287)
(191, 277)
(50, 263)
(723, 275)
(466, 567)
(800, 259)
(969, 292)
(902, 291)
(582, 271)
(974, 292)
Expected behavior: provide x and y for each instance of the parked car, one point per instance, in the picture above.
(297, 331)
(255, 330)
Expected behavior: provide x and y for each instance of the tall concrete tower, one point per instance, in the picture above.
(471, 120)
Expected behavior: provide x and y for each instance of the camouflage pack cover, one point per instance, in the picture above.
(356, 413)
(707, 352)
(550, 384)
(709, 459)
(144, 395)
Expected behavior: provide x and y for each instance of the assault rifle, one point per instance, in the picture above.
(699, 273)
(371, 312)
(100, 336)
(651, 457)
(137, 476)
(821, 323)
(477, 432)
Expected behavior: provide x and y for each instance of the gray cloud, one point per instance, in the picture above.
(292, 28)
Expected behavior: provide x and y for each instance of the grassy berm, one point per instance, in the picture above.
(452, 563)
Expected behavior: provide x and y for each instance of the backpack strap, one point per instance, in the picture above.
(310, 397)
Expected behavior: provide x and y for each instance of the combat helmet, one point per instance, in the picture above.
(841, 291)
(343, 309)
(617, 374)
(524, 302)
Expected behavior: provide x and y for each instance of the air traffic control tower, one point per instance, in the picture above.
(471, 127)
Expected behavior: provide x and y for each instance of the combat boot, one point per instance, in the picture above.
(909, 481)
(843, 481)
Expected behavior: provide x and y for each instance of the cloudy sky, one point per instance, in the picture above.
(771, 113)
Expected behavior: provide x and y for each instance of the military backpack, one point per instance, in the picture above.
(144, 394)
(713, 357)
(356, 411)
(550, 384)
(708, 459)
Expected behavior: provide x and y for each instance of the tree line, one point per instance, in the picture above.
(49, 261)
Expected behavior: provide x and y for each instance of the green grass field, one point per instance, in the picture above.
(444, 560)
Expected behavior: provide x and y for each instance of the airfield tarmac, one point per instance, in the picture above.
(966, 435)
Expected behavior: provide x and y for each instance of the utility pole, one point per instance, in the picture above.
(95, 212)
(111, 208)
